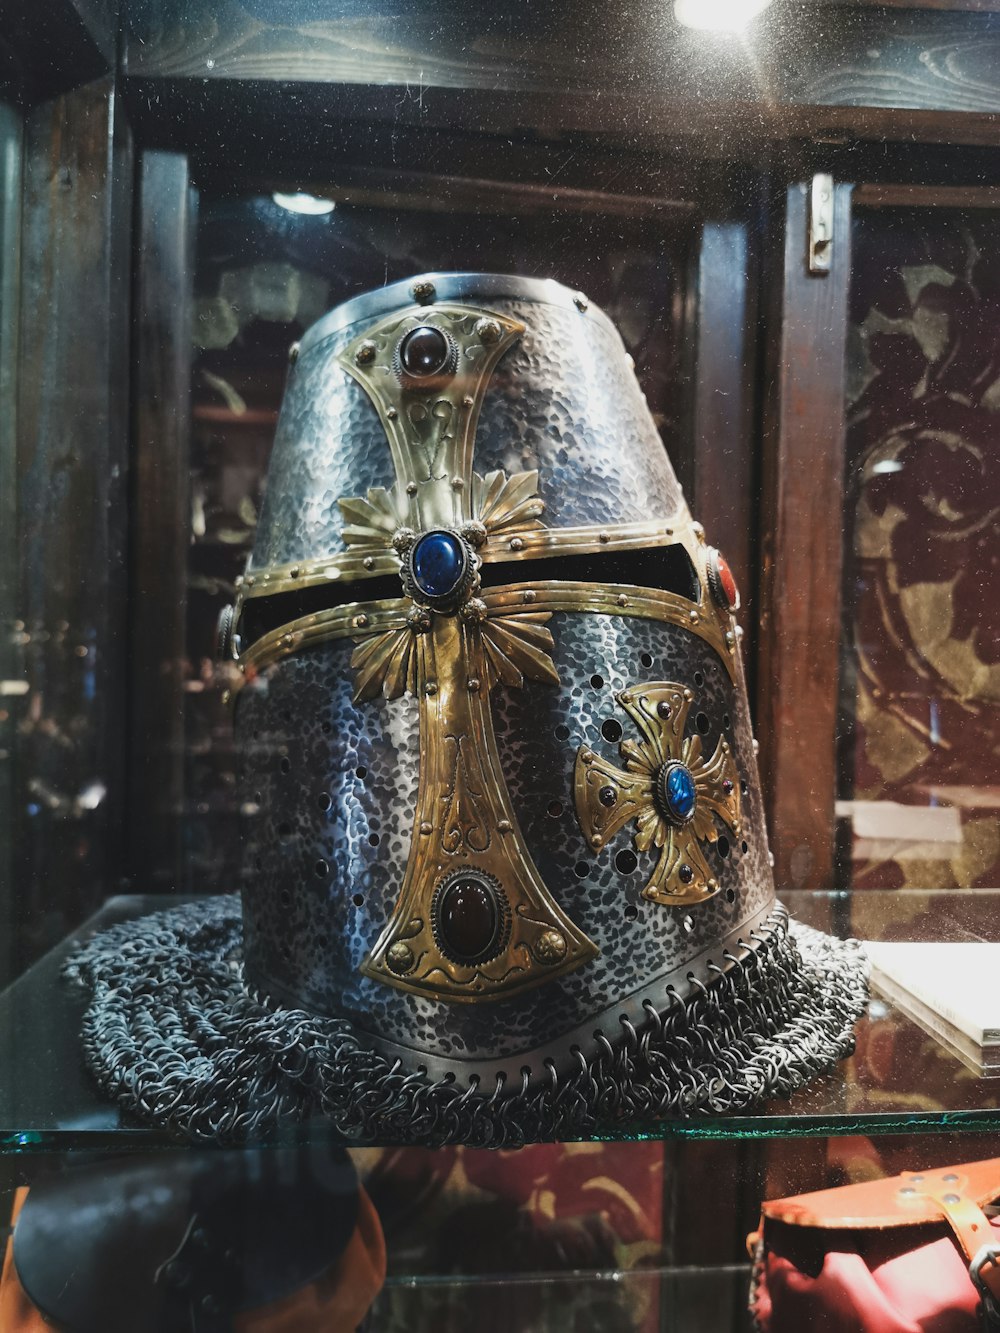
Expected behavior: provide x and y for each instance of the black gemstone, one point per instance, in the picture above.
(424, 351)
(607, 796)
(685, 874)
(663, 709)
(468, 918)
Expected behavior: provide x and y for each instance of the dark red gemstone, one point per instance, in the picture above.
(685, 874)
(468, 919)
(726, 579)
(607, 796)
(424, 351)
(663, 709)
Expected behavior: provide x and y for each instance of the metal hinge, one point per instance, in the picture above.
(820, 223)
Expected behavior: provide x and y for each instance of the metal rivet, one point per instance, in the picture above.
(391, 413)
(604, 536)
(488, 331)
(426, 829)
(622, 599)
(907, 1189)
(369, 562)
(361, 621)
(293, 353)
(693, 617)
(951, 1198)
(950, 1178)
(468, 400)
(580, 301)
(399, 958)
(473, 684)
(504, 825)
(529, 596)
(423, 292)
(517, 544)
(366, 353)
(411, 488)
(293, 573)
(457, 484)
(550, 947)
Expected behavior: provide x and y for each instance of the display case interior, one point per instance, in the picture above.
(794, 231)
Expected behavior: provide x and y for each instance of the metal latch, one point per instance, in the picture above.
(820, 223)
(989, 1310)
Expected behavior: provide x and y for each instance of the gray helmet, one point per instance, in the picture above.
(504, 829)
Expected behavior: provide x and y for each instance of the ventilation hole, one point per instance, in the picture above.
(323, 941)
(626, 861)
(581, 869)
(286, 898)
(646, 659)
(286, 952)
(687, 924)
(361, 772)
(702, 723)
(562, 733)
(555, 809)
(699, 679)
(374, 824)
(324, 801)
(358, 900)
(611, 730)
(597, 682)
(257, 798)
(321, 868)
(631, 912)
(722, 845)
(730, 895)
(744, 846)
(286, 764)
(727, 721)
(744, 789)
(326, 728)
(284, 831)
(286, 716)
(258, 864)
(373, 839)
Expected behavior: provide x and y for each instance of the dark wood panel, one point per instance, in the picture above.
(926, 196)
(49, 47)
(72, 435)
(801, 536)
(796, 56)
(11, 676)
(161, 519)
(723, 496)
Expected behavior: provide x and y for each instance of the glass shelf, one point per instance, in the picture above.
(684, 1300)
(900, 1080)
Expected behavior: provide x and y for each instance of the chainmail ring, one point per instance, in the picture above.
(172, 1034)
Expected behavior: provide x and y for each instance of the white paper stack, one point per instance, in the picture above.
(951, 989)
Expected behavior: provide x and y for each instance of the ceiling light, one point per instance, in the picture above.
(309, 204)
(718, 15)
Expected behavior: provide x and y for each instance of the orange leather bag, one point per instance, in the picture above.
(916, 1253)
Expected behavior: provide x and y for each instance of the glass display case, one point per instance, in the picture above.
(789, 216)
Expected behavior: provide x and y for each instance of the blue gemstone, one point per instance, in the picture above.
(438, 563)
(679, 791)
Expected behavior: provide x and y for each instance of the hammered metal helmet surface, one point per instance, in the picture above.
(494, 735)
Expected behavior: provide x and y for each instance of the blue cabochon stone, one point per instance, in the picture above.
(680, 792)
(438, 563)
